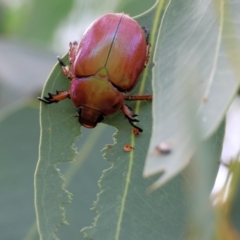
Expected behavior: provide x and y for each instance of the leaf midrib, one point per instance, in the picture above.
(152, 38)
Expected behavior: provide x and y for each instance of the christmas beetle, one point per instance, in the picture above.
(104, 66)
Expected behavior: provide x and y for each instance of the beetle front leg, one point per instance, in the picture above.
(71, 56)
(65, 69)
(55, 98)
(72, 51)
(130, 116)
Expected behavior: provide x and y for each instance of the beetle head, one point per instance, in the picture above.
(88, 117)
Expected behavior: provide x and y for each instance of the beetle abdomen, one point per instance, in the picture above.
(117, 42)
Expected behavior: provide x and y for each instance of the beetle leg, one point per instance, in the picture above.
(138, 97)
(65, 68)
(55, 98)
(147, 55)
(72, 51)
(130, 116)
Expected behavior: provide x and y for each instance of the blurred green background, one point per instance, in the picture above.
(32, 34)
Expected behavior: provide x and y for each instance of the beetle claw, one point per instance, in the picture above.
(61, 61)
(46, 100)
(131, 116)
(135, 126)
(55, 98)
(134, 120)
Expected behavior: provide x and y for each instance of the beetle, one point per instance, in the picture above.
(103, 67)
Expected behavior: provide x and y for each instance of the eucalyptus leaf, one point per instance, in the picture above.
(19, 138)
(59, 131)
(180, 208)
(193, 80)
(123, 208)
(19, 133)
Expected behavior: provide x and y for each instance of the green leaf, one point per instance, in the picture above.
(81, 178)
(59, 131)
(193, 80)
(19, 133)
(200, 176)
(19, 139)
(180, 208)
(124, 210)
